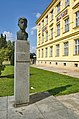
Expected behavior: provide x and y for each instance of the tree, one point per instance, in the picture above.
(6, 51)
(3, 42)
(9, 52)
(2, 55)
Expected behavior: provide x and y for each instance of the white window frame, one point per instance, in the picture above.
(52, 14)
(51, 51)
(38, 53)
(42, 38)
(58, 29)
(57, 50)
(66, 24)
(46, 54)
(42, 23)
(77, 18)
(52, 33)
(42, 53)
(66, 49)
(58, 7)
(47, 36)
(67, 2)
(47, 19)
(77, 46)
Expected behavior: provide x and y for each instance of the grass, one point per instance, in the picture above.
(7, 81)
(40, 81)
(56, 84)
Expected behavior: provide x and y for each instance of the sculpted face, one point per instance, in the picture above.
(22, 24)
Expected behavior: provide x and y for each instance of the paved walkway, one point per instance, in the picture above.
(42, 106)
(71, 101)
(61, 71)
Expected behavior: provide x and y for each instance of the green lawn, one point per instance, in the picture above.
(7, 81)
(40, 81)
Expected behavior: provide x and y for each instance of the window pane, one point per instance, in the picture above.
(76, 46)
(77, 18)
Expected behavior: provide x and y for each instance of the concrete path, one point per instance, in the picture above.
(71, 101)
(42, 106)
(58, 70)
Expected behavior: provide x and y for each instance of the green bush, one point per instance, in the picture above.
(1, 68)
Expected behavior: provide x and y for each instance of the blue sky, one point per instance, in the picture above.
(11, 10)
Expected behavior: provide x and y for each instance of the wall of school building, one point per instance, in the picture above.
(58, 35)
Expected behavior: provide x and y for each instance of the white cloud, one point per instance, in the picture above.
(34, 28)
(38, 15)
(33, 49)
(9, 35)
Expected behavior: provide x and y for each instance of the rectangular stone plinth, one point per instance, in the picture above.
(21, 73)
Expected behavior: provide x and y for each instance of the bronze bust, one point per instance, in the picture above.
(22, 34)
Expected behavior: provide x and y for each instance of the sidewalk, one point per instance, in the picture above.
(71, 101)
(61, 71)
(42, 106)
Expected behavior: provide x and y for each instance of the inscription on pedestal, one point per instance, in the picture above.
(22, 57)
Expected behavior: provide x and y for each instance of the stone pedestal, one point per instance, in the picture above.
(21, 72)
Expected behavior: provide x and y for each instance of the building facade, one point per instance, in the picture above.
(58, 35)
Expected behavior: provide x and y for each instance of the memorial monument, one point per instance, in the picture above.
(22, 64)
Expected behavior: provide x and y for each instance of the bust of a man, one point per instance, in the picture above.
(22, 34)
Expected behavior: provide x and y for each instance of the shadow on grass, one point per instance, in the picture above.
(42, 95)
(8, 76)
(57, 90)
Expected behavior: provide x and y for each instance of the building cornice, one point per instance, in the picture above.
(59, 39)
(46, 10)
(76, 5)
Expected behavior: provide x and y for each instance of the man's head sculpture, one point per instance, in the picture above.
(22, 34)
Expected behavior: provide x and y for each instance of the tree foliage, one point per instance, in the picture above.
(6, 51)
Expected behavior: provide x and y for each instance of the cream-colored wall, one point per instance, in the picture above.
(69, 36)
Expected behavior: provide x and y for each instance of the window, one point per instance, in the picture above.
(46, 19)
(76, 47)
(52, 15)
(46, 36)
(76, 65)
(46, 52)
(67, 25)
(42, 53)
(58, 7)
(58, 29)
(39, 26)
(51, 51)
(38, 40)
(52, 33)
(77, 18)
(39, 54)
(42, 23)
(56, 63)
(66, 48)
(64, 64)
(57, 50)
(42, 38)
(67, 2)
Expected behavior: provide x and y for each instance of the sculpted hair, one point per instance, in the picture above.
(22, 18)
